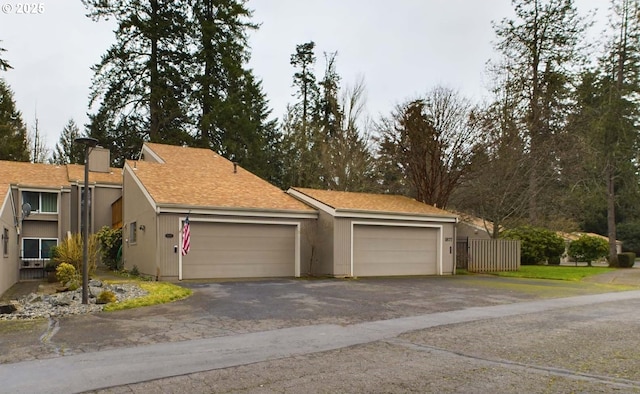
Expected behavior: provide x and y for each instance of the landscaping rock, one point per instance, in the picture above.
(7, 308)
(33, 306)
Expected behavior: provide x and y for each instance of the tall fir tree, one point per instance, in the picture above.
(13, 132)
(4, 64)
(543, 44)
(66, 151)
(140, 84)
(232, 110)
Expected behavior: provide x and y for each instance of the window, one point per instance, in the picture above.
(37, 248)
(133, 232)
(41, 202)
(5, 241)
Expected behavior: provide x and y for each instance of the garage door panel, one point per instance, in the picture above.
(390, 250)
(238, 250)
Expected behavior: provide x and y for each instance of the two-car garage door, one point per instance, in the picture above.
(240, 250)
(389, 250)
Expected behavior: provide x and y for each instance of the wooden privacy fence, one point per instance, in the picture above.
(486, 255)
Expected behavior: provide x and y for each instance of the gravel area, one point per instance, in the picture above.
(38, 305)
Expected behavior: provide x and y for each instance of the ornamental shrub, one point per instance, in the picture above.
(106, 297)
(538, 245)
(110, 242)
(70, 251)
(66, 273)
(588, 249)
(626, 260)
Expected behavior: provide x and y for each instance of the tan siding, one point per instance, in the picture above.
(321, 235)
(168, 257)
(74, 209)
(142, 253)
(342, 247)
(64, 224)
(448, 248)
(8, 263)
(39, 229)
(104, 197)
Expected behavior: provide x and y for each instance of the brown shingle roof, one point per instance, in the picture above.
(386, 203)
(197, 177)
(49, 176)
(32, 175)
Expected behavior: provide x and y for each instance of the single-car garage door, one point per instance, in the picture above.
(239, 250)
(389, 250)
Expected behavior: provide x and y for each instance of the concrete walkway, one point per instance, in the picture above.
(116, 367)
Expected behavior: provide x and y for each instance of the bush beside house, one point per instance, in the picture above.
(588, 249)
(539, 245)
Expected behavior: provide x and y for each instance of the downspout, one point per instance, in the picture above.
(455, 247)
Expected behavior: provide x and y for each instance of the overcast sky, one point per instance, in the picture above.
(401, 49)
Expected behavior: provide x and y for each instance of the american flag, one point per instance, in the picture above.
(186, 237)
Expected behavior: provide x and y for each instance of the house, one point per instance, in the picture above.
(240, 225)
(473, 227)
(42, 203)
(360, 234)
(569, 237)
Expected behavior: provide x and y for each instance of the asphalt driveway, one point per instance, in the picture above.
(229, 308)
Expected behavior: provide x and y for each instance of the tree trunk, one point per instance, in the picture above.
(611, 215)
(154, 94)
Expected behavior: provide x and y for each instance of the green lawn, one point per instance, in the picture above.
(554, 272)
(159, 293)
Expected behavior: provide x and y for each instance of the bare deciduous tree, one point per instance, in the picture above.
(431, 139)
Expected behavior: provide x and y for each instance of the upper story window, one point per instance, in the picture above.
(41, 202)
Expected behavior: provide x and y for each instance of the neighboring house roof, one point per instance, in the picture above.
(200, 178)
(475, 222)
(32, 175)
(575, 235)
(368, 202)
(48, 176)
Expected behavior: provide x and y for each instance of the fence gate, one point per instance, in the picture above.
(462, 253)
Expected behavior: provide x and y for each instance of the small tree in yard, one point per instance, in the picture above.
(587, 248)
(538, 244)
(110, 242)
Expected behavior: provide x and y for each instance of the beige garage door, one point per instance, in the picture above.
(388, 250)
(232, 250)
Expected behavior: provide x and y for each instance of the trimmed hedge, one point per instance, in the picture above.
(626, 260)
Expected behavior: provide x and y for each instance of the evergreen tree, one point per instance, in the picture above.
(66, 151)
(139, 85)
(542, 43)
(4, 64)
(232, 111)
(13, 132)
(608, 117)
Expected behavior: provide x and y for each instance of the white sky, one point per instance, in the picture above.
(401, 48)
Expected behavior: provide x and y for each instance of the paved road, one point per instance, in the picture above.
(379, 335)
(118, 367)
